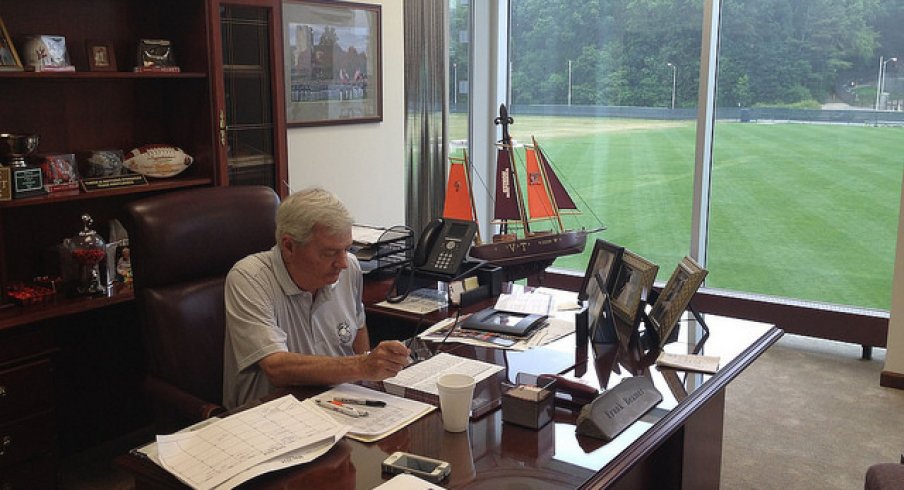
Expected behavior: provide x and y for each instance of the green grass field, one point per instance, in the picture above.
(804, 211)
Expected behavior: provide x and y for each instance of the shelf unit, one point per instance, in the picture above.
(92, 345)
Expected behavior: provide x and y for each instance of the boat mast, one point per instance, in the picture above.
(467, 165)
(504, 120)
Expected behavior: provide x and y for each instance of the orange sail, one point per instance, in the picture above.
(539, 204)
(458, 192)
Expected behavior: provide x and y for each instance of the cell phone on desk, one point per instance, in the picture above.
(432, 470)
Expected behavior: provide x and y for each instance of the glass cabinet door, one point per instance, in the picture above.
(248, 126)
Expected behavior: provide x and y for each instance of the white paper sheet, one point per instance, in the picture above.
(423, 375)
(380, 421)
(211, 455)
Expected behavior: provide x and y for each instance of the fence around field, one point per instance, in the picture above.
(753, 114)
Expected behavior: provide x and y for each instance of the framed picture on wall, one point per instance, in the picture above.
(333, 62)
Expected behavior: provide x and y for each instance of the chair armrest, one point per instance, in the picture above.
(178, 404)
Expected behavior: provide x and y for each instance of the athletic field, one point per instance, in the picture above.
(807, 211)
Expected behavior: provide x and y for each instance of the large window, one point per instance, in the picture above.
(807, 161)
(806, 167)
(609, 90)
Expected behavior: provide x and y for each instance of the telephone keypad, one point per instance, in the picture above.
(443, 260)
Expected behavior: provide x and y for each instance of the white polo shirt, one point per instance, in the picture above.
(266, 313)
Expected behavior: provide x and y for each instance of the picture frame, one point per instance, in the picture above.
(632, 284)
(9, 57)
(604, 260)
(101, 56)
(337, 78)
(675, 297)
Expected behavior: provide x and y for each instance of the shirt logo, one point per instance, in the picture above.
(344, 332)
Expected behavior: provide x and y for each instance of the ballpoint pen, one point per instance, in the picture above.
(341, 408)
(359, 401)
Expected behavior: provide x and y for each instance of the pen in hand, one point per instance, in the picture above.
(337, 406)
(359, 401)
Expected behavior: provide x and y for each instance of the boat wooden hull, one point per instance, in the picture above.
(531, 249)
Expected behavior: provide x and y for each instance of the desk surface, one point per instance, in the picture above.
(496, 454)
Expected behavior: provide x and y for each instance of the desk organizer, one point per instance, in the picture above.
(528, 403)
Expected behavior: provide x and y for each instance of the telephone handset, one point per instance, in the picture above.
(443, 246)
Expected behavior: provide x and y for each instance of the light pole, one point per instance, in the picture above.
(884, 71)
(674, 81)
(455, 83)
(569, 82)
(881, 79)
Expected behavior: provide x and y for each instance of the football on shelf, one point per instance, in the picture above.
(157, 160)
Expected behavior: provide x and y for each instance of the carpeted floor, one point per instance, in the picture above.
(810, 414)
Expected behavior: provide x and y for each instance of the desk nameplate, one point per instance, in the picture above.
(616, 409)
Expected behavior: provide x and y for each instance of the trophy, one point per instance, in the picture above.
(26, 180)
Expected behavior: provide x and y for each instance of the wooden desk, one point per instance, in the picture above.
(676, 445)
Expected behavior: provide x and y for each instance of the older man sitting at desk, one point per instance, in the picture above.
(294, 314)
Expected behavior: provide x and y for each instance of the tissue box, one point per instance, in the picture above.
(528, 405)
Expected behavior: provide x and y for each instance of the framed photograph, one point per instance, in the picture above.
(60, 172)
(604, 260)
(675, 297)
(333, 62)
(46, 52)
(100, 56)
(9, 58)
(634, 280)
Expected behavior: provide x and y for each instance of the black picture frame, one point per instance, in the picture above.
(605, 260)
(333, 62)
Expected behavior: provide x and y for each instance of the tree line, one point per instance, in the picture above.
(626, 52)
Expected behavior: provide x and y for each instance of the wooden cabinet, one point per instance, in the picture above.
(84, 110)
(27, 405)
(249, 92)
(224, 108)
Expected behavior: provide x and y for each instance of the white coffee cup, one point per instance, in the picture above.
(455, 393)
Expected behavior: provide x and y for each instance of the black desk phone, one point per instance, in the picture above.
(443, 246)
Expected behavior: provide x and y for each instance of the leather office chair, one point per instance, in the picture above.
(183, 244)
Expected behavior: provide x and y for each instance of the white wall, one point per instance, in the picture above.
(894, 356)
(362, 163)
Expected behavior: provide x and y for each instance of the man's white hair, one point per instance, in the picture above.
(299, 213)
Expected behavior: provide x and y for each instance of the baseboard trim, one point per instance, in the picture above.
(889, 379)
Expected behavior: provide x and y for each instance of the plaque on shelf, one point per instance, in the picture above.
(101, 163)
(26, 180)
(46, 53)
(156, 55)
(6, 188)
(104, 183)
(60, 172)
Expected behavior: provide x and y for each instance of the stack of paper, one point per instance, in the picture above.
(227, 452)
(419, 380)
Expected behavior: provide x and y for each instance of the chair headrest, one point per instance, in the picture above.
(195, 233)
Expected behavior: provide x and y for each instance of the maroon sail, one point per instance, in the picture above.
(561, 196)
(507, 205)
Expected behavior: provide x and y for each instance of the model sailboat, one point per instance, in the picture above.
(517, 248)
